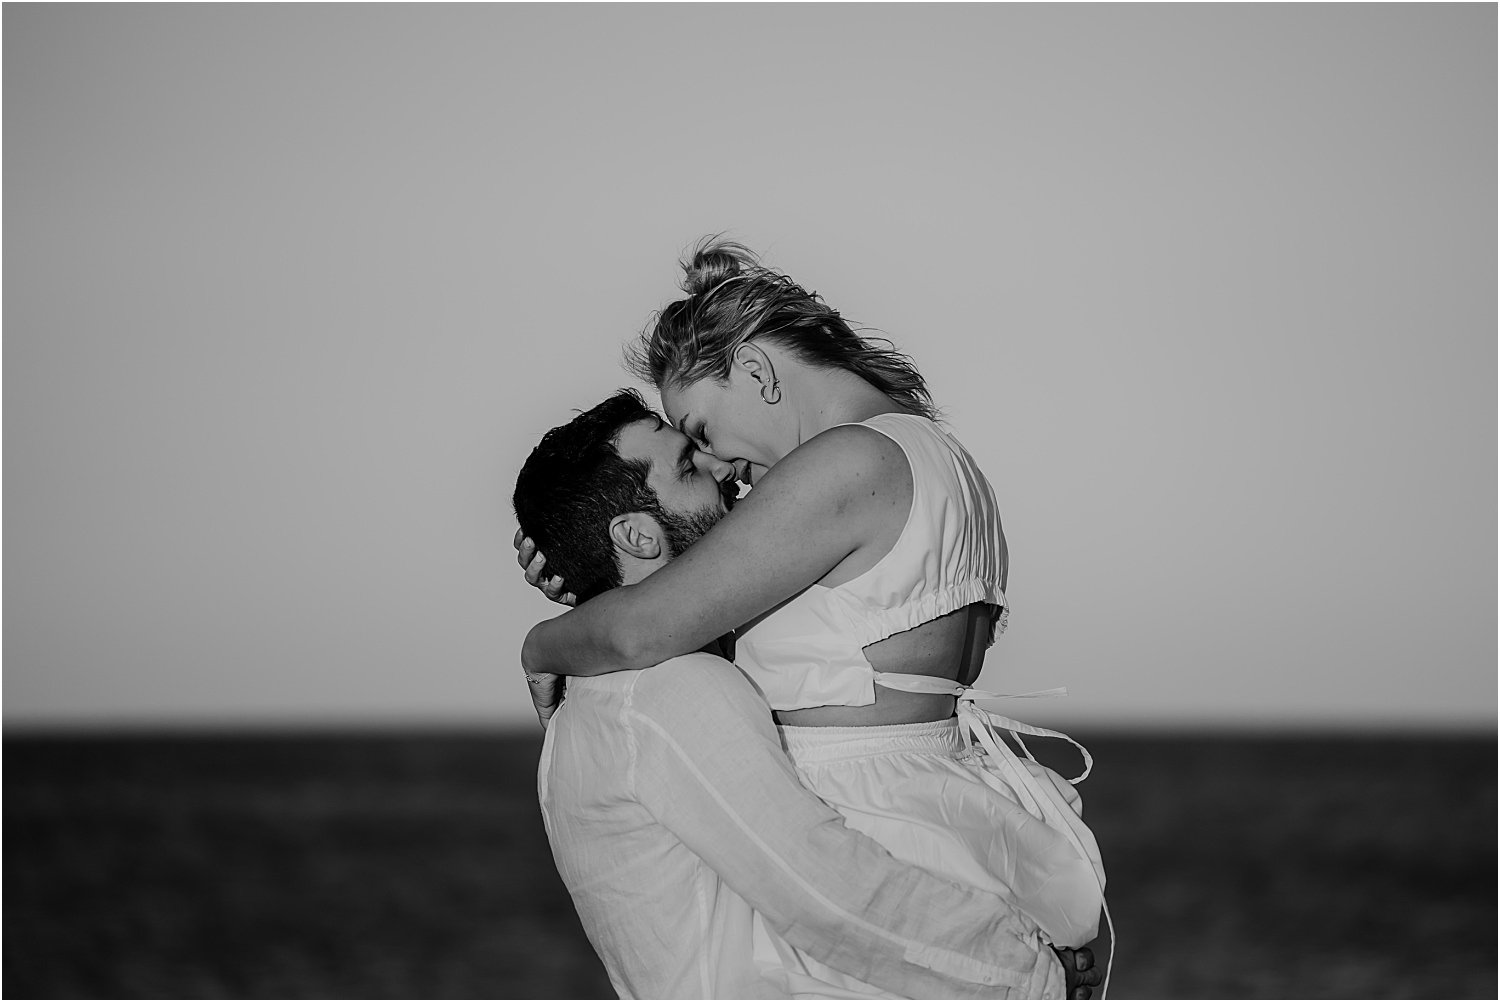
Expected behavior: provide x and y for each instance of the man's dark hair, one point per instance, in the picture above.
(574, 483)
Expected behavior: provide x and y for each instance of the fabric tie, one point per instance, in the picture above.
(1042, 799)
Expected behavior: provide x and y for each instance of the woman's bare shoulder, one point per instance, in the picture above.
(845, 458)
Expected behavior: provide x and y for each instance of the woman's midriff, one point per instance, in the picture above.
(950, 646)
(891, 706)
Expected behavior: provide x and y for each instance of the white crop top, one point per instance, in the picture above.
(808, 651)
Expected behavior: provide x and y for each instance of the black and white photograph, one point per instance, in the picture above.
(750, 500)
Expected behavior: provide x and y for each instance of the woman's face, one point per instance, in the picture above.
(730, 420)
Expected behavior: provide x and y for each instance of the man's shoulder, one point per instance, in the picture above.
(694, 672)
(696, 684)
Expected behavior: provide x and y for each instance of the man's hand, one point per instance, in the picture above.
(1079, 970)
(546, 694)
(533, 562)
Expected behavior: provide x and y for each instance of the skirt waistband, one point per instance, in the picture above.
(816, 745)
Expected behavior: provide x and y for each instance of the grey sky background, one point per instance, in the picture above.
(291, 291)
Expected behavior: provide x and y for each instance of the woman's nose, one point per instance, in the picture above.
(714, 466)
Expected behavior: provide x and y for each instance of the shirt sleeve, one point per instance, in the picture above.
(708, 765)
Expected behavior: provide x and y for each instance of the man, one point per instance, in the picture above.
(674, 815)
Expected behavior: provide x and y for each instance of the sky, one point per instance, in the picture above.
(290, 292)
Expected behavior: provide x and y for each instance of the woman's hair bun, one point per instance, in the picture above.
(713, 261)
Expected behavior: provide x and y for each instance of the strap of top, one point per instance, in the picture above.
(936, 684)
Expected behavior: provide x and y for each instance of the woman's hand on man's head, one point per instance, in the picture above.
(534, 563)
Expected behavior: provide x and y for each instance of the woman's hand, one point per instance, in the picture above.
(546, 694)
(534, 562)
(545, 688)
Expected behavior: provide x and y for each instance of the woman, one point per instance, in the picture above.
(863, 576)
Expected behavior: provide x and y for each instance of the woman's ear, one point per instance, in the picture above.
(753, 361)
(636, 534)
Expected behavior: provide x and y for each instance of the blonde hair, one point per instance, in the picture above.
(733, 299)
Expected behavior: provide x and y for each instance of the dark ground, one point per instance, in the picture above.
(388, 867)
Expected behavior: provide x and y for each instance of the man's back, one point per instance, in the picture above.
(688, 935)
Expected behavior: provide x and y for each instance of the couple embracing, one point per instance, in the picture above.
(879, 837)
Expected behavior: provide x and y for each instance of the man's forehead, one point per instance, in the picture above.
(649, 438)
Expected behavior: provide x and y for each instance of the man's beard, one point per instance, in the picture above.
(683, 531)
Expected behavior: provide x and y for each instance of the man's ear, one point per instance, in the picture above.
(636, 534)
(752, 360)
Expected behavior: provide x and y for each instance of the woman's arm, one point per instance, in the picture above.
(825, 500)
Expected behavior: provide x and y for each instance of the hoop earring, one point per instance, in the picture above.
(771, 394)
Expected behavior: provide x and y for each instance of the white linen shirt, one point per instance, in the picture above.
(672, 812)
